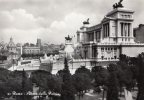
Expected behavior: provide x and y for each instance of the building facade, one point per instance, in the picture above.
(139, 33)
(103, 43)
(31, 50)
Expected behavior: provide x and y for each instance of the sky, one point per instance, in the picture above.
(52, 20)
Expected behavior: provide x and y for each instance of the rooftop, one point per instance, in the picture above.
(120, 10)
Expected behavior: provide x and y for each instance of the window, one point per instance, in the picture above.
(128, 29)
(125, 29)
(122, 29)
(114, 39)
(102, 49)
(106, 49)
(115, 57)
(102, 57)
(115, 49)
(106, 30)
(125, 16)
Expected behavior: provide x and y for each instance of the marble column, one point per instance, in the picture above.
(90, 51)
(94, 36)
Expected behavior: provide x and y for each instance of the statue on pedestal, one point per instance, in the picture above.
(86, 22)
(68, 38)
(118, 5)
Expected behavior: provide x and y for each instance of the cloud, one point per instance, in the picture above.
(69, 25)
(21, 25)
(25, 27)
(59, 29)
(52, 20)
(19, 18)
(22, 36)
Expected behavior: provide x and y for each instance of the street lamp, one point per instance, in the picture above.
(103, 92)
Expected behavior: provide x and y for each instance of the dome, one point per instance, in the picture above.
(11, 43)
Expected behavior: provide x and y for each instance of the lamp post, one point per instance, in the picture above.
(103, 91)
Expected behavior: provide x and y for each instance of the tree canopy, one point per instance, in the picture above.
(13, 81)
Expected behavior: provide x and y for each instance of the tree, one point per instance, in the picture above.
(19, 82)
(124, 58)
(40, 78)
(82, 82)
(68, 89)
(56, 51)
(112, 92)
(55, 84)
(125, 75)
(4, 74)
(47, 82)
(134, 69)
(127, 72)
(140, 79)
(83, 69)
(12, 81)
(100, 75)
(32, 45)
(3, 57)
(3, 89)
(66, 64)
(27, 44)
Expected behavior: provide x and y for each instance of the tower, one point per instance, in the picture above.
(38, 42)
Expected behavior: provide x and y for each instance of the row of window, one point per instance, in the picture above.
(106, 30)
(108, 49)
(32, 51)
(125, 29)
(108, 58)
(125, 39)
(126, 16)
